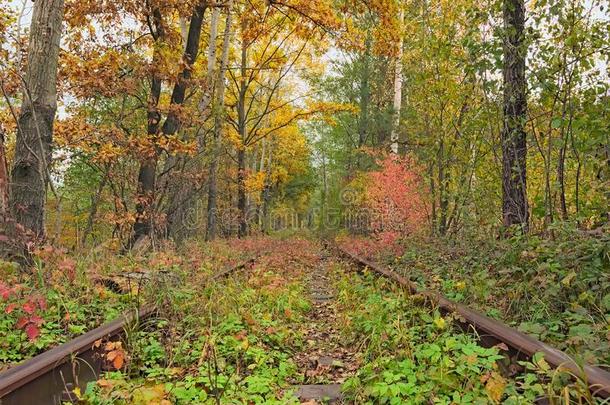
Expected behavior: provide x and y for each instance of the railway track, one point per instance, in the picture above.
(51, 377)
(492, 332)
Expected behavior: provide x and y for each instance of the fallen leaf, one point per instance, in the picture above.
(118, 360)
(502, 346)
(495, 387)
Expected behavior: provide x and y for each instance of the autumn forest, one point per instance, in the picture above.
(305, 201)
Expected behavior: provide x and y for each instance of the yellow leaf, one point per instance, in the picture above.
(440, 323)
(567, 280)
(495, 387)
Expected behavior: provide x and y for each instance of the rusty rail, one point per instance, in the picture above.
(495, 331)
(50, 377)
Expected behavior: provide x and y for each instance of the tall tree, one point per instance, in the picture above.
(397, 84)
(182, 195)
(514, 142)
(147, 174)
(218, 125)
(148, 166)
(29, 177)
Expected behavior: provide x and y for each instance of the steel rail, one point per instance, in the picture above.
(597, 378)
(50, 377)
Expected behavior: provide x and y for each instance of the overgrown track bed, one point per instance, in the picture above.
(493, 332)
(51, 377)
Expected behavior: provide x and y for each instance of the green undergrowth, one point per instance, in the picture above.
(227, 341)
(66, 294)
(38, 313)
(413, 355)
(557, 290)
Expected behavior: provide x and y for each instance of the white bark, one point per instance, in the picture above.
(206, 99)
(397, 87)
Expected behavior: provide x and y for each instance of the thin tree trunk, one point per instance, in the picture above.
(267, 191)
(241, 193)
(365, 99)
(241, 153)
(4, 181)
(35, 127)
(218, 125)
(561, 180)
(443, 182)
(514, 147)
(95, 202)
(208, 94)
(397, 88)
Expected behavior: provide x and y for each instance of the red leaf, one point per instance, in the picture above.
(5, 291)
(21, 322)
(36, 320)
(29, 307)
(32, 331)
(10, 308)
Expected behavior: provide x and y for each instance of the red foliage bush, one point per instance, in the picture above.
(25, 308)
(395, 199)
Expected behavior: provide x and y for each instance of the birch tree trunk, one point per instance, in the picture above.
(397, 88)
(35, 127)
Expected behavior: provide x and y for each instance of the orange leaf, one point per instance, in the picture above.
(118, 360)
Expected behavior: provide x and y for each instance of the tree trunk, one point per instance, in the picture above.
(182, 211)
(241, 153)
(241, 193)
(397, 88)
(147, 175)
(148, 166)
(267, 191)
(365, 99)
(443, 188)
(95, 202)
(561, 180)
(514, 146)
(4, 182)
(218, 125)
(35, 127)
